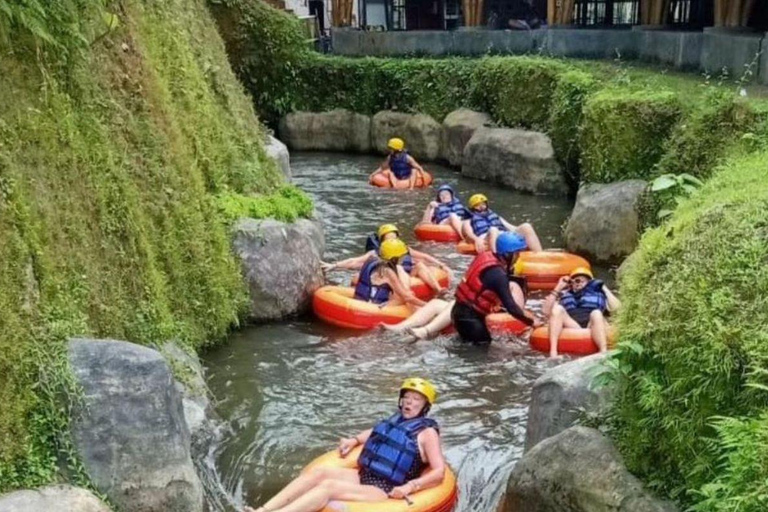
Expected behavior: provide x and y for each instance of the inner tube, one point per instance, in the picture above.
(504, 323)
(436, 233)
(419, 287)
(337, 306)
(441, 498)
(542, 269)
(572, 341)
(381, 181)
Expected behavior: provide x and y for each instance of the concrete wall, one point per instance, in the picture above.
(708, 51)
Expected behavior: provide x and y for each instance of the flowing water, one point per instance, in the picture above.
(286, 392)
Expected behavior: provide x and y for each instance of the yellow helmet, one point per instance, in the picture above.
(422, 386)
(476, 200)
(396, 144)
(393, 249)
(582, 271)
(385, 229)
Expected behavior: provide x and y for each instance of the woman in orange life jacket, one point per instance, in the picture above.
(436, 315)
(383, 472)
(416, 263)
(580, 301)
(486, 287)
(399, 165)
(382, 279)
(485, 225)
(447, 209)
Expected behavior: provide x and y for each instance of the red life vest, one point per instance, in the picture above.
(470, 290)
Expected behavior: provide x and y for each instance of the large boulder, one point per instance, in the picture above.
(129, 430)
(280, 263)
(458, 128)
(278, 152)
(562, 395)
(578, 470)
(337, 130)
(605, 224)
(517, 159)
(54, 497)
(190, 383)
(420, 132)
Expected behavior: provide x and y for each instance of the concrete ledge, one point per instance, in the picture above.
(710, 51)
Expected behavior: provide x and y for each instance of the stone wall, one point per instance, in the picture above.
(710, 51)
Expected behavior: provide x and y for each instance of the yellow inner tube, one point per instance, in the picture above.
(441, 498)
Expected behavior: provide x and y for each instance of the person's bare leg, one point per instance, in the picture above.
(493, 235)
(422, 316)
(456, 224)
(531, 238)
(425, 273)
(557, 320)
(466, 229)
(392, 180)
(303, 483)
(436, 326)
(317, 498)
(598, 329)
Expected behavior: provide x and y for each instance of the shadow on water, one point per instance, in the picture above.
(286, 392)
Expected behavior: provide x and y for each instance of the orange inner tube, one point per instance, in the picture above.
(542, 269)
(571, 341)
(504, 323)
(436, 233)
(419, 287)
(382, 181)
(441, 498)
(336, 305)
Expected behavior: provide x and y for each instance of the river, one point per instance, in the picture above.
(287, 391)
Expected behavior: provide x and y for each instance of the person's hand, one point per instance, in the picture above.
(537, 322)
(327, 267)
(480, 245)
(433, 204)
(401, 491)
(562, 283)
(346, 445)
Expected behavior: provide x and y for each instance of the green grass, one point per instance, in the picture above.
(114, 153)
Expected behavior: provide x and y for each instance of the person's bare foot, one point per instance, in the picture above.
(420, 333)
(390, 327)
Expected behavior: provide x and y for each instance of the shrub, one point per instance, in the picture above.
(693, 343)
(266, 47)
(517, 91)
(287, 205)
(623, 133)
(572, 90)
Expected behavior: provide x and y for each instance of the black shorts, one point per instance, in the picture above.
(581, 316)
(371, 478)
(469, 324)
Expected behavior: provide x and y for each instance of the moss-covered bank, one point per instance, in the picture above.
(125, 144)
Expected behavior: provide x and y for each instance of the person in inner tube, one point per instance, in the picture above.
(401, 455)
(415, 263)
(580, 300)
(446, 209)
(484, 226)
(399, 165)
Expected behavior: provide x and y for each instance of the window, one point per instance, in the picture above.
(605, 12)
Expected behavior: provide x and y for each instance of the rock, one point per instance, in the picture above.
(420, 132)
(458, 128)
(190, 383)
(562, 395)
(278, 152)
(280, 263)
(53, 497)
(605, 224)
(518, 159)
(578, 470)
(337, 130)
(130, 431)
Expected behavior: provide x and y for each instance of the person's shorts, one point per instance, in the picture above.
(469, 324)
(581, 316)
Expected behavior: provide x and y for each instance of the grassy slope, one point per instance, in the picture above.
(115, 169)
